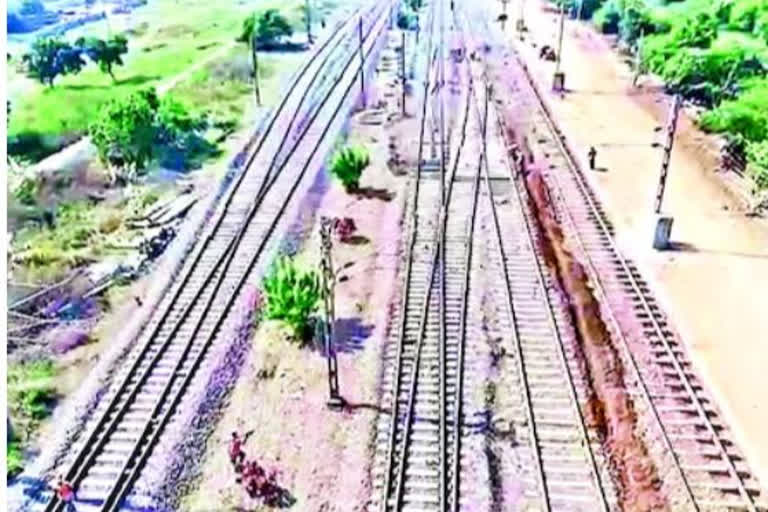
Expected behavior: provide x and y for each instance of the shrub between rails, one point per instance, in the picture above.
(348, 164)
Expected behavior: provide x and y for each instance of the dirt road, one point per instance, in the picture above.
(714, 283)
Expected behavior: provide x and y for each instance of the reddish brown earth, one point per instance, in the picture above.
(612, 409)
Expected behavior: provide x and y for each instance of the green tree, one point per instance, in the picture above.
(52, 57)
(697, 31)
(125, 131)
(267, 28)
(106, 54)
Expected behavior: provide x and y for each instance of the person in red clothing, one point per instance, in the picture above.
(236, 453)
(66, 493)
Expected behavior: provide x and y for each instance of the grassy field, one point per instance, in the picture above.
(188, 32)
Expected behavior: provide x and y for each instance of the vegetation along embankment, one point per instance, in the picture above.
(713, 52)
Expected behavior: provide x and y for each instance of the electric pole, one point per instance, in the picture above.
(663, 227)
(520, 24)
(402, 68)
(638, 59)
(362, 59)
(671, 125)
(308, 13)
(558, 82)
(255, 57)
(328, 282)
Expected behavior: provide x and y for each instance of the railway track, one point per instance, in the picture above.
(702, 467)
(416, 446)
(565, 467)
(106, 462)
(566, 470)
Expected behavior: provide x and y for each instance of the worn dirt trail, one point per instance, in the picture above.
(714, 284)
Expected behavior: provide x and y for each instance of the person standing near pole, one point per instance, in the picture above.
(592, 155)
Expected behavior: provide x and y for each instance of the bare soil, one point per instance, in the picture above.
(713, 283)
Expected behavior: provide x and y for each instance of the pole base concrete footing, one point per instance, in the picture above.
(662, 231)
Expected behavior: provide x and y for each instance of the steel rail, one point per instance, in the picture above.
(113, 503)
(441, 245)
(80, 464)
(438, 255)
(404, 305)
(227, 253)
(586, 193)
(400, 486)
(551, 319)
(459, 395)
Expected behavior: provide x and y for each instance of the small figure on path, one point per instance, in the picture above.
(592, 154)
(66, 493)
(138, 300)
(236, 453)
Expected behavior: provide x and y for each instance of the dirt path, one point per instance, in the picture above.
(714, 284)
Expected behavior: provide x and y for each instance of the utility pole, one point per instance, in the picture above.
(520, 24)
(106, 20)
(558, 82)
(638, 58)
(664, 222)
(255, 57)
(440, 84)
(362, 59)
(308, 13)
(328, 282)
(504, 14)
(402, 68)
(671, 125)
(418, 28)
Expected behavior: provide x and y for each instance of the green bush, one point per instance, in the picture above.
(745, 116)
(709, 75)
(26, 192)
(30, 389)
(607, 17)
(757, 167)
(635, 21)
(149, 198)
(761, 27)
(14, 458)
(698, 30)
(292, 295)
(348, 164)
(267, 27)
(656, 51)
(745, 13)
